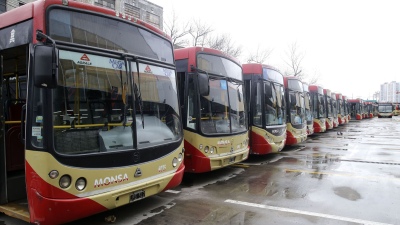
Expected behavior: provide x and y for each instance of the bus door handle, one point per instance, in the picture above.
(23, 113)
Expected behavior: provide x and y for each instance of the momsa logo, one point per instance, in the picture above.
(84, 60)
(110, 180)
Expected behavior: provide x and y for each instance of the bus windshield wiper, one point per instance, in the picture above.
(137, 93)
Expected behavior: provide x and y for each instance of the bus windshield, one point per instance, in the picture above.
(321, 108)
(297, 112)
(385, 108)
(223, 107)
(274, 104)
(97, 105)
(309, 116)
(107, 33)
(329, 106)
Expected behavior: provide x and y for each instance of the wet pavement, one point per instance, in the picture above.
(332, 178)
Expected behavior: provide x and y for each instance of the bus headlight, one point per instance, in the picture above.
(174, 162)
(53, 174)
(206, 149)
(65, 181)
(80, 184)
(212, 149)
(180, 157)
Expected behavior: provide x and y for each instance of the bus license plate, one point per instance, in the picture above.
(137, 195)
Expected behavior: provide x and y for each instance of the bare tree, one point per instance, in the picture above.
(260, 56)
(314, 79)
(294, 62)
(177, 30)
(199, 32)
(225, 44)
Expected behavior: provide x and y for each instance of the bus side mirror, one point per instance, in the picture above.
(45, 66)
(204, 85)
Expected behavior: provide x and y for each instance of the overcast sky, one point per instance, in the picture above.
(353, 45)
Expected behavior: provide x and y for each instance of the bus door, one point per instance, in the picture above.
(13, 99)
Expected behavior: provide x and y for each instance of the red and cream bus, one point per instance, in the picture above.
(92, 120)
(266, 108)
(309, 109)
(340, 109)
(214, 117)
(295, 106)
(346, 107)
(328, 113)
(335, 110)
(356, 109)
(318, 108)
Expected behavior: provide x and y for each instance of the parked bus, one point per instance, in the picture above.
(214, 117)
(265, 98)
(355, 106)
(368, 109)
(340, 109)
(329, 113)
(319, 108)
(385, 110)
(346, 107)
(309, 109)
(295, 106)
(92, 119)
(335, 120)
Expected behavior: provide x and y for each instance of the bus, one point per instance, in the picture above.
(385, 109)
(266, 109)
(335, 113)
(346, 108)
(91, 114)
(329, 108)
(309, 109)
(319, 108)
(296, 124)
(340, 109)
(355, 106)
(368, 109)
(211, 91)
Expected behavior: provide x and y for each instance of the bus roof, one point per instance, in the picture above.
(38, 7)
(256, 68)
(357, 100)
(184, 53)
(327, 92)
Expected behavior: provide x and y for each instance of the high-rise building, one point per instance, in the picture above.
(141, 9)
(390, 92)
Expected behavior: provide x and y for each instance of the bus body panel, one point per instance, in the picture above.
(106, 188)
(263, 142)
(319, 125)
(227, 150)
(294, 135)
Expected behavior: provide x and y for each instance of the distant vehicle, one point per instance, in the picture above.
(385, 110)
(356, 109)
(295, 105)
(92, 120)
(368, 107)
(329, 109)
(335, 110)
(266, 107)
(213, 109)
(309, 109)
(318, 108)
